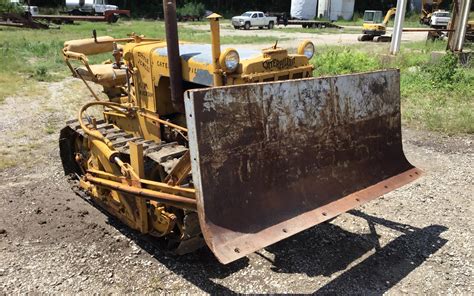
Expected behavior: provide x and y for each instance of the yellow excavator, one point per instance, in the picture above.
(374, 29)
(427, 9)
(470, 31)
(234, 148)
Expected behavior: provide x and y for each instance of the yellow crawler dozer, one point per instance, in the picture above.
(226, 146)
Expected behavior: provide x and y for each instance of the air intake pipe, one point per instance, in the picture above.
(174, 59)
(216, 48)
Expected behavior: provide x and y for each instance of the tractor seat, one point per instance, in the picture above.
(104, 74)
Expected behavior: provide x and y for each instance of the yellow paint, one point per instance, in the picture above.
(145, 111)
(216, 48)
(372, 28)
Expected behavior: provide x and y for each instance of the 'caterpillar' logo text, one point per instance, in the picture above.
(280, 64)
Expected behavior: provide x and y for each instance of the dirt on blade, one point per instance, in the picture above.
(415, 239)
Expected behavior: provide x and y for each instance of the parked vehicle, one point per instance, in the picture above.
(32, 10)
(253, 19)
(89, 7)
(374, 29)
(428, 7)
(283, 19)
(14, 13)
(440, 19)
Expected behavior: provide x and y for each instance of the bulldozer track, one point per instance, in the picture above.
(188, 245)
(163, 154)
(158, 152)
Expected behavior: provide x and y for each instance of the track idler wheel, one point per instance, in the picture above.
(68, 150)
(365, 38)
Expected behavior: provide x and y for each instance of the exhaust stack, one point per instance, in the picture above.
(216, 47)
(174, 59)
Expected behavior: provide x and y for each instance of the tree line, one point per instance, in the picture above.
(228, 8)
(154, 8)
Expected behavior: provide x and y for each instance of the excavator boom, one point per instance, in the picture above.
(391, 12)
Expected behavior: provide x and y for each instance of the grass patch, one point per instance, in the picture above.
(7, 86)
(7, 159)
(6, 163)
(50, 129)
(30, 56)
(440, 96)
(343, 61)
(51, 126)
(16, 84)
(437, 95)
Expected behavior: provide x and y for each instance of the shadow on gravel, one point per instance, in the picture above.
(327, 249)
(198, 268)
(321, 250)
(390, 264)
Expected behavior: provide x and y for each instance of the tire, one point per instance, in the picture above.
(247, 26)
(75, 12)
(236, 27)
(365, 38)
(68, 149)
(430, 37)
(261, 28)
(271, 25)
(114, 18)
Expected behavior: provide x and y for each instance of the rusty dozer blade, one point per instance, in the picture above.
(272, 159)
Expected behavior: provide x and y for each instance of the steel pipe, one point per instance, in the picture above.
(163, 122)
(95, 133)
(161, 197)
(162, 187)
(398, 26)
(461, 25)
(174, 58)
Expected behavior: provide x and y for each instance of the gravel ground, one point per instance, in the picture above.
(320, 37)
(415, 240)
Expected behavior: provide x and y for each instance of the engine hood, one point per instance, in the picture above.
(111, 7)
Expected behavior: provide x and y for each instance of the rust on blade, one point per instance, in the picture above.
(272, 159)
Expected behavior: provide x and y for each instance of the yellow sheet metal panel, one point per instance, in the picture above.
(198, 67)
(146, 77)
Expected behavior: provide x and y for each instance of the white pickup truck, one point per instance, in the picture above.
(440, 19)
(89, 7)
(253, 19)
